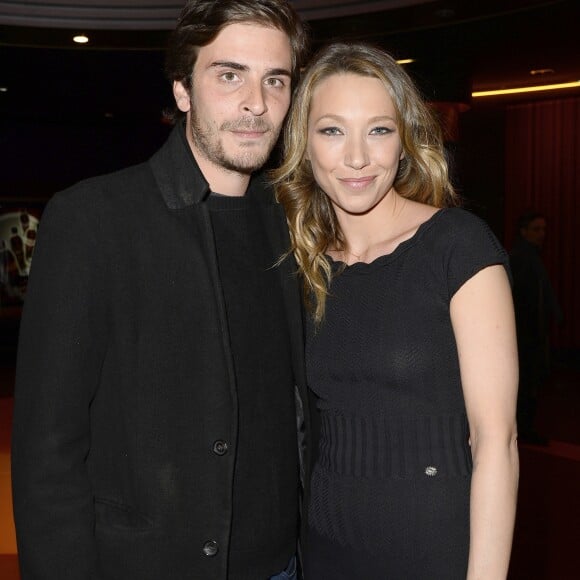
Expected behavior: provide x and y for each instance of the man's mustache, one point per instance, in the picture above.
(249, 124)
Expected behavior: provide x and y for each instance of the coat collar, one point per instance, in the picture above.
(180, 179)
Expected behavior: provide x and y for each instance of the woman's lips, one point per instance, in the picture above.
(357, 182)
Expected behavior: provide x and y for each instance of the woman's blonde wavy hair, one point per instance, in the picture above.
(422, 175)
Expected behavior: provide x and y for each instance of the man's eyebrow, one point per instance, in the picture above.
(244, 68)
(278, 72)
(229, 64)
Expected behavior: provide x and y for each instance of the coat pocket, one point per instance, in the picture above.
(112, 514)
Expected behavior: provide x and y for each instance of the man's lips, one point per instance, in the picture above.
(249, 134)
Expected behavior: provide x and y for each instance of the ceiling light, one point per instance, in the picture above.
(526, 89)
(3, 89)
(406, 61)
(81, 39)
(542, 71)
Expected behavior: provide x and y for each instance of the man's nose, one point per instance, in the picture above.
(254, 100)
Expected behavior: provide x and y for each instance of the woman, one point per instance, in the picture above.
(410, 344)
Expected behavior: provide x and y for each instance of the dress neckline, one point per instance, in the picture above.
(364, 267)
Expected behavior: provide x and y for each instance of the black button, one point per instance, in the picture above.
(220, 447)
(210, 548)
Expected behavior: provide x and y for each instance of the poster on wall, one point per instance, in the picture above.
(18, 229)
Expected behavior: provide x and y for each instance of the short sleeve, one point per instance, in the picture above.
(470, 246)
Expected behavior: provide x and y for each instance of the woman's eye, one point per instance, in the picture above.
(381, 131)
(330, 131)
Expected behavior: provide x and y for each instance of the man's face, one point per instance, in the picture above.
(239, 98)
(535, 233)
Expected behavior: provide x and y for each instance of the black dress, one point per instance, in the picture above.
(390, 488)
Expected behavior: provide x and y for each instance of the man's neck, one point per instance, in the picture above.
(225, 181)
(220, 179)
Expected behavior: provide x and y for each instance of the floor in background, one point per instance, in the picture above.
(8, 562)
(547, 538)
(7, 539)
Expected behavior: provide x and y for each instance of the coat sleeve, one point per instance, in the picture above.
(61, 348)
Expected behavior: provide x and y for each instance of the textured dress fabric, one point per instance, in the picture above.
(390, 487)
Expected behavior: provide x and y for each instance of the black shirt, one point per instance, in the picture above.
(265, 509)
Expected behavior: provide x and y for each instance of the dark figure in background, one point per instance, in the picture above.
(535, 307)
(155, 417)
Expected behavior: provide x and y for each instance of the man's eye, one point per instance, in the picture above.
(229, 76)
(275, 82)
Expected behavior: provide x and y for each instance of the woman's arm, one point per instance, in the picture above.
(483, 322)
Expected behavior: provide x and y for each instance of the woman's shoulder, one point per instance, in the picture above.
(455, 244)
(461, 235)
(455, 223)
(461, 218)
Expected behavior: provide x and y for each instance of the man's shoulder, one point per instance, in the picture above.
(104, 200)
(110, 187)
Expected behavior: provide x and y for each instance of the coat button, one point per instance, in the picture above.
(220, 447)
(210, 548)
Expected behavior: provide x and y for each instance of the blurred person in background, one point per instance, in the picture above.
(536, 309)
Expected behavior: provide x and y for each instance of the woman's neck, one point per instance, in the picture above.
(381, 230)
(365, 233)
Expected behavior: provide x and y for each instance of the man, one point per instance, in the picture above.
(155, 421)
(535, 307)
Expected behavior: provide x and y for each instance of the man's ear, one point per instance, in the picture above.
(181, 95)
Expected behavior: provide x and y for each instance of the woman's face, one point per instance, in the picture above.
(353, 141)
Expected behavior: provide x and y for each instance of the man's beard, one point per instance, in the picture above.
(206, 137)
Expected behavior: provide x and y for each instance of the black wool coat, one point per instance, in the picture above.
(125, 387)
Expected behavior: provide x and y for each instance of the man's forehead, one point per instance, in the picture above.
(251, 45)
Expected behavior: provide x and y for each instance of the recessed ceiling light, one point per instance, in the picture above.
(534, 89)
(542, 71)
(406, 61)
(81, 39)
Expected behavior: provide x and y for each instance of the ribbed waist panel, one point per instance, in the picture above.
(383, 447)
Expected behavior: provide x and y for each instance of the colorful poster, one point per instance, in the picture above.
(18, 228)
